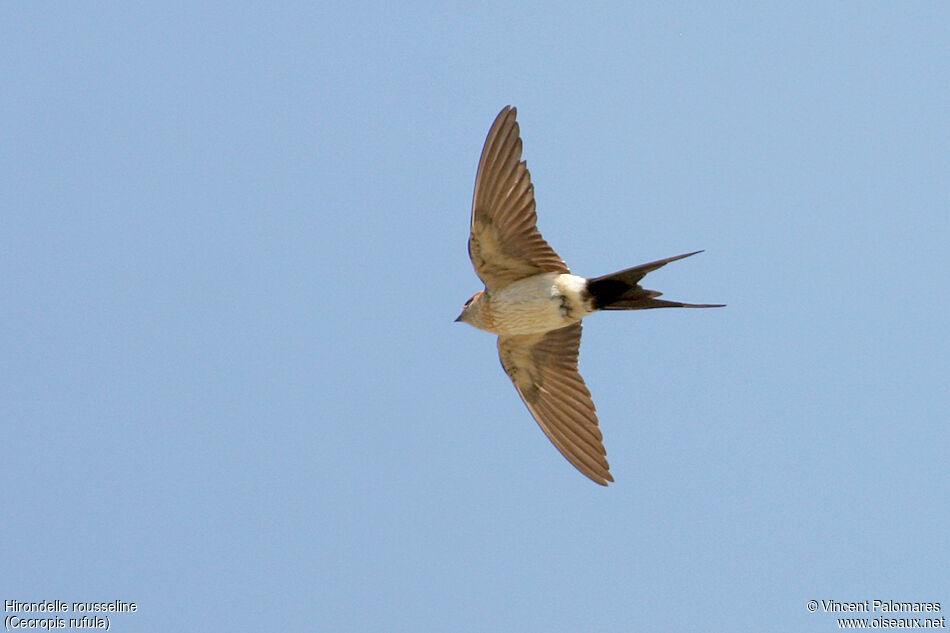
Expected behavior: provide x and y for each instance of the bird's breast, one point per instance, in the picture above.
(540, 303)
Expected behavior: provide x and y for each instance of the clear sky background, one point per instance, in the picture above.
(233, 243)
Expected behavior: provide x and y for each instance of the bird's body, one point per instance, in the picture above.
(535, 305)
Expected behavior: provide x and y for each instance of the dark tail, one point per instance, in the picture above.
(622, 291)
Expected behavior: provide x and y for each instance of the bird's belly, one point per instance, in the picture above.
(533, 305)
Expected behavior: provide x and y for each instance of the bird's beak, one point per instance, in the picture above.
(459, 318)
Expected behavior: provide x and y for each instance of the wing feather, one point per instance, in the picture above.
(543, 368)
(505, 244)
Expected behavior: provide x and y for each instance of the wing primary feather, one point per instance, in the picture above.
(504, 242)
(543, 369)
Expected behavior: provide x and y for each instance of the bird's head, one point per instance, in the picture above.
(472, 310)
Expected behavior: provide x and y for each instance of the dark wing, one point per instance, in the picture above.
(505, 244)
(544, 370)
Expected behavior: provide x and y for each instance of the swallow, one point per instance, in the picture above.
(535, 305)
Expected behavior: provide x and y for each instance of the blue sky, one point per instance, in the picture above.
(233, 242)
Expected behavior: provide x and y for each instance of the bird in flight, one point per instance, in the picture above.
(535, 305)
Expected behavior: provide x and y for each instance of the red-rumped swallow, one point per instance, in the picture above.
(535, 305)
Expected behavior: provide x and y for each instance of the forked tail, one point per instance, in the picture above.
(622, 290)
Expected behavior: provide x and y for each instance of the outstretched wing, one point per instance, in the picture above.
(543, 368)
(505, 244)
